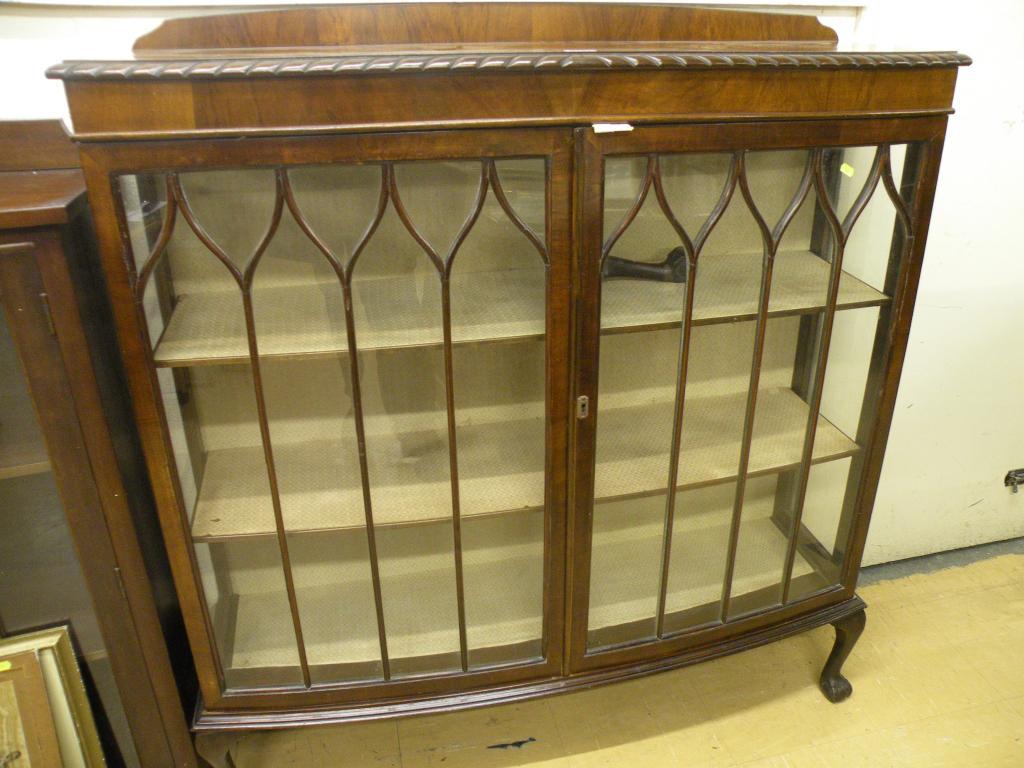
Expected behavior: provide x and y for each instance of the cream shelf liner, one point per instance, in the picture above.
(308, 319)
(618, 594)
(321, 489)
(503, 609)
(504, 605)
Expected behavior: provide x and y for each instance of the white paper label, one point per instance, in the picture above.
(612, 127)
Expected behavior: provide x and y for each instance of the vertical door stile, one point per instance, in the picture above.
(587, 204)
(344, 275)
(551, 510)
(771, 239)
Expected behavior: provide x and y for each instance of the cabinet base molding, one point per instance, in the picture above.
(847, 616)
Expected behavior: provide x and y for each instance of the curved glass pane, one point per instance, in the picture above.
(41, 580)
(727, 486)
(352, 362)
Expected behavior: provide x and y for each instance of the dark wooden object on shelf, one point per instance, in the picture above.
(387, 86)
(59, 318)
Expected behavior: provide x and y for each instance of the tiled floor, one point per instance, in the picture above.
(938, 681)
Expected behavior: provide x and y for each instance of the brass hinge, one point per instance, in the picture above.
(47, 313)
(120, 583)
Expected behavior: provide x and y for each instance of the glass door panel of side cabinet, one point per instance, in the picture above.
(728, 454)
(352, 362)
(41, 581)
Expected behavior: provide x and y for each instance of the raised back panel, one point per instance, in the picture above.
(36, 145)
(464, 25)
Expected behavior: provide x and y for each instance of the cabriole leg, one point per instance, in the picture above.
(832, 683)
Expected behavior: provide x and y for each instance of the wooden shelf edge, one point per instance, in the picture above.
(860, 295)
(198, 362)
(208, 538)
(503, 631)
(322, 354)
(850, 448)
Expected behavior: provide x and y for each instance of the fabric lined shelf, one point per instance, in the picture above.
(626, 558)
(503, 593)
(500, 466)
(307, 319)
(503, 597)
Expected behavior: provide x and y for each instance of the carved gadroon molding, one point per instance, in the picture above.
(226, 68)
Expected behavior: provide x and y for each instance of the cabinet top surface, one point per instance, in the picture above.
(40, 183)
(39, 198)
(439, 37)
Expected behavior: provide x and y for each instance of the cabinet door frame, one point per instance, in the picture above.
(48, 321)
(885, 366)
(103, 162)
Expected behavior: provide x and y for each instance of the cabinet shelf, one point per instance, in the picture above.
(504, 611)
(497, 475)
(339, 624)
(307, 319)
(623, 595)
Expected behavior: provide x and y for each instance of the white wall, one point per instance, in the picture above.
(959, 424)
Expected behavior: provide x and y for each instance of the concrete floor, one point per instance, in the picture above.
(938, 680)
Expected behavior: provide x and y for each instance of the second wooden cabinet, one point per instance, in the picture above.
(456, 416)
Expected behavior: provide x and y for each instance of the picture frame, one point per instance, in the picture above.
(44, 708)
(27, 733)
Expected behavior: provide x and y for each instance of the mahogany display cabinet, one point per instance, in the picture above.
(485, 351)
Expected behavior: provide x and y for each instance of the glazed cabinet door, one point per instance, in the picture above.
(350, 357)
(746, 300)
